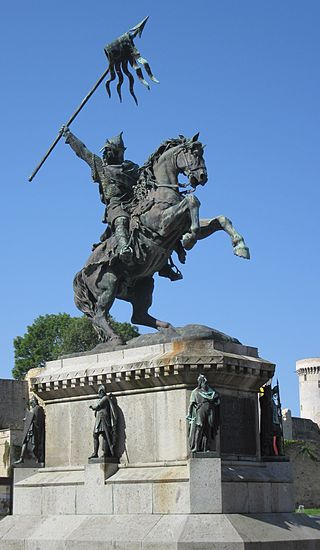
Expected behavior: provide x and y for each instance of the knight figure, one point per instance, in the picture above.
(116, 178)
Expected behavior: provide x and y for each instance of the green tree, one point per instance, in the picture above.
(51, 336)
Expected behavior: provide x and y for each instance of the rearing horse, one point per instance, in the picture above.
(163, 220)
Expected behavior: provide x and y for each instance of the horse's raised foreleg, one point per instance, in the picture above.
(141, 299)
(108, 285)
(190, 238)
(175, 215)
(221, 223)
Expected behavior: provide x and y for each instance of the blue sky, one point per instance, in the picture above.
(245, 74)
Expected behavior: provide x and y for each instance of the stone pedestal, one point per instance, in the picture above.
(152, 385)
(158, 497)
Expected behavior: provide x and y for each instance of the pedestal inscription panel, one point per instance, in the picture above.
(238, 426)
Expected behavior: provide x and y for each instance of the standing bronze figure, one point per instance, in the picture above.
(105, 425)
(203, 416)
(271, 431)
(33, 438)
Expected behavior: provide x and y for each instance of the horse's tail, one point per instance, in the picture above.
(83, 298)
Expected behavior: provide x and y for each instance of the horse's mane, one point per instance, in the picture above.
(146, 178)
(163, 147)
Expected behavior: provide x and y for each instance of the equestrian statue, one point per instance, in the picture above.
(149, 215)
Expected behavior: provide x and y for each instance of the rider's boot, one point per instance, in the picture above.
(121, 230)
(170, 273)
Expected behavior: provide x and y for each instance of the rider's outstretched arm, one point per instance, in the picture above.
(80, 149)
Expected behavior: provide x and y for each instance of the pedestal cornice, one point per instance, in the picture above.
(227, 365)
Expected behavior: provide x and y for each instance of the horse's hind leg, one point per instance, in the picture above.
(141, 299)
(108, 286)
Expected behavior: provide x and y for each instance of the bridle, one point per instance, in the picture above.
(187, 171)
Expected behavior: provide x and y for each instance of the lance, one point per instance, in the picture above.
(120, 52)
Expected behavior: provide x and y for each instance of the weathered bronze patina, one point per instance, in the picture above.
(33, 438)
(150, 215)
(203, 416)
(105, 425)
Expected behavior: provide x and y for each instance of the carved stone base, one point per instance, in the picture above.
(156, 498)
(195, 486)
(152, 385)
(28, 464)
(104, 460)
(206, 454)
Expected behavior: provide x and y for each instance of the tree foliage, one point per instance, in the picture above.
(51, 336)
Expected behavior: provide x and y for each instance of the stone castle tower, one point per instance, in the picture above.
(308, 371)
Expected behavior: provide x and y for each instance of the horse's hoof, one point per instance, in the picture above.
(242, 251)
(188, 241)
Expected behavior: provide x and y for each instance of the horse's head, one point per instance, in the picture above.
(189, 160)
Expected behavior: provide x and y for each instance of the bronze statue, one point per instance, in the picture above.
(271, 430)
(277, 429)
(33, 433)
(116, 178)
(150, 215)
(105, 425)
(203, 416)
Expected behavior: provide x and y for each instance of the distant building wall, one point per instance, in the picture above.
(305, 429)
(308, 371)
(305, 459)
(299, 429)
(13, 403)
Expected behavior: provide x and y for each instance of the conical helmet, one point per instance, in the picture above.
(115, 142)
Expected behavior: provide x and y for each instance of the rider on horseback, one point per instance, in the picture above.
(116, 178)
